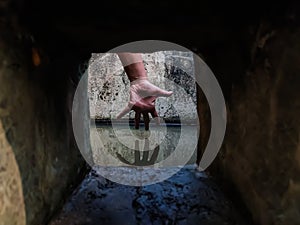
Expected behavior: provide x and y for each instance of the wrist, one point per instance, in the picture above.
(136, 71)
(139, 81)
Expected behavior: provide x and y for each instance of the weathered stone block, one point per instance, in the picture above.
(170, 70)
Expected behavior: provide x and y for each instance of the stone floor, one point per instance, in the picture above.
(187, 198)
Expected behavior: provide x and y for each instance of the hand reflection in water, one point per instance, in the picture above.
(137, 156)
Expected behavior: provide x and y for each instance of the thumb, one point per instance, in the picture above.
(156, 91)
(163, 93)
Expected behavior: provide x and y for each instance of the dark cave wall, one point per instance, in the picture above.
(257, 66)
(260, 160)
(39, 158)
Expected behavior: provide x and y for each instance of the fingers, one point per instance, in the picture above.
(137, 156)
(151, 99)
(146, 151)
(137, 119)
(146, 120)
(123, 113)
(120, 157)
(146, 146)
(154, 115)
(125, 110)
(154, 155)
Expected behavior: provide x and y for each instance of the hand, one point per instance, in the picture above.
(142, 100)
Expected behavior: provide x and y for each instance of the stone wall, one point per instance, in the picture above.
(170, 70)
(261, 152)
(38, 156)
(12, 208)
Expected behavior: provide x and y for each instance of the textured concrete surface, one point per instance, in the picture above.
(261, 154)
(170, 70)
(187, 198)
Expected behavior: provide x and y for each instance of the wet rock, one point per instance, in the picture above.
(168, 202)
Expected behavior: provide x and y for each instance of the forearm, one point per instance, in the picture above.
(128, 58)
(133, 65)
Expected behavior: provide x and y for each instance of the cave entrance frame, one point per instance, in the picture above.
(204, 78)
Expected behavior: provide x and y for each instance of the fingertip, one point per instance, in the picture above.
(137, 125)
(169, 93)
(165, 93)
(137, 120)
(146, 120)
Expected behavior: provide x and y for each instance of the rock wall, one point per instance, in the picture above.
(170, 70)
(38, 156)
(261, 152)
(12, 208)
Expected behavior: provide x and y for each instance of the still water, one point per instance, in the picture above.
(172, 145)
